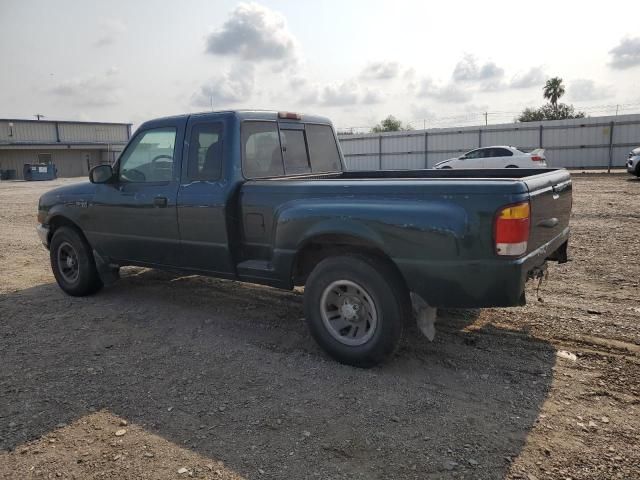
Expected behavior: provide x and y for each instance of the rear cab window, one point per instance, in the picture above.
(323, 149)
(261, 152)
(294, 149)
(270, 149)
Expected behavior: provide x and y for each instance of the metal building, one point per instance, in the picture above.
(73, 147)
(593, 142)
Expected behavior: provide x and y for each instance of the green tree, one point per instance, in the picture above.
(553, 90)
(560, 111)
(531, 115)
(390, 124)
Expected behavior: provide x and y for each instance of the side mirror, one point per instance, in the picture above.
(101, 174)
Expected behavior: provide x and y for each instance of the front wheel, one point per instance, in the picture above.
(355, 307)
(73, 264)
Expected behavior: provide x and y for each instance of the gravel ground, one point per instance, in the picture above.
(167, 376)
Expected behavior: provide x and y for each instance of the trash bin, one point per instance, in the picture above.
(7, 174)
(39, 171)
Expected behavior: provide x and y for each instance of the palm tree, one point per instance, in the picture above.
(553, 90)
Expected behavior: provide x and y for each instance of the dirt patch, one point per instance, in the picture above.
(100, 446)
(208, 371)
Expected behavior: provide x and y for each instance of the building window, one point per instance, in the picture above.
(44, 158)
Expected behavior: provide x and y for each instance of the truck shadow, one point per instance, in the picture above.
(229, 371)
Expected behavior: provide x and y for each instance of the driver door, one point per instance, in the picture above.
(135, 217)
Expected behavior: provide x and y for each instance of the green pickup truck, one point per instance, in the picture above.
(263, 197)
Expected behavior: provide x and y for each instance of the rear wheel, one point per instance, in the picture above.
(445, 168)
(73, 264)
(355, 307)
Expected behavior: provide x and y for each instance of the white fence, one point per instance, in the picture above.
(593, 142)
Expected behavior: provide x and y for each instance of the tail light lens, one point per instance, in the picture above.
(537, 158)
(511, 229)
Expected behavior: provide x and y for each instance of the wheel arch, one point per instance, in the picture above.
(315, 249)
(58, 221)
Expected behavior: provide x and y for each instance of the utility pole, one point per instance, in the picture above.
(39, 116)
(486, 118)
(617, 107)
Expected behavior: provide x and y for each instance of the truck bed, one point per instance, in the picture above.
(436, 225)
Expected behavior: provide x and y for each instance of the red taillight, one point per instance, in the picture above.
(511, 229)
(537, 158)
(290, 115)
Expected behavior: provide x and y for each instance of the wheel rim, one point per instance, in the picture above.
(348, 313)
(68, 262)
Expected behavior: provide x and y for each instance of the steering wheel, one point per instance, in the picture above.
(168, 157)
(133, 175)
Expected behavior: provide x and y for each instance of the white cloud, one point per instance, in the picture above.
(233, 87)
(443, 93)
(348, 92)
(254, 32)
(468, 70)
(345, 93)
(110, 29)
(626, 54)
(91, 90)
(534, 77)
(297, 82)
(380, 71)
(584, 90)
(372, 97)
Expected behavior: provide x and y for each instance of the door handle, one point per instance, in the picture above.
(160, 202)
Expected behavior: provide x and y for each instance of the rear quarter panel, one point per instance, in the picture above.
(424, 226)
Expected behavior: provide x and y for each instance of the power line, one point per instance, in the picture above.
(463, 119)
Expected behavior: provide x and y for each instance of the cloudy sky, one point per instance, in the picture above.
(355, 61)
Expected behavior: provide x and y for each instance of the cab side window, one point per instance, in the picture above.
(150, 157)
(261, 152)
(205, 152)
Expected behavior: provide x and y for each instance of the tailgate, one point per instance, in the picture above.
(550, 195)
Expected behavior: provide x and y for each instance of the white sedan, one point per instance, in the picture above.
(496, 157)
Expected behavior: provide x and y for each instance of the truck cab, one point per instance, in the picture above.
(168, 200)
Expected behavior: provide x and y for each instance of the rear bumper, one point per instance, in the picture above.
(43, 233)
(495, 282)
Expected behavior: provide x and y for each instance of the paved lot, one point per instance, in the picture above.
(216, 379)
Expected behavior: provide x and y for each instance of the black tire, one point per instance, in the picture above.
(511, 166)
(79, 276)
(381, 284)
(446, 168)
